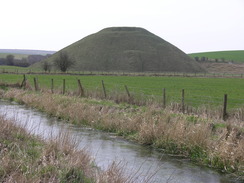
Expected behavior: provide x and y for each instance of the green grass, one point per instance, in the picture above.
(16, 69)
(13, 68)
(198, 91)
(237, 56)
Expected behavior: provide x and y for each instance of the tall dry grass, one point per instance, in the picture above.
(209, 141)
(26, 158)
(205, 111)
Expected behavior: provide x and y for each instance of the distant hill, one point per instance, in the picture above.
(236, 56)
(129, 49)
(26, 52)
(23, 58)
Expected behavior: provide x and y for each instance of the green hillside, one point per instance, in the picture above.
(236, 56)
(128, 49)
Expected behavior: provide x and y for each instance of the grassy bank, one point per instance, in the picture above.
(211, 142)
(27, 158)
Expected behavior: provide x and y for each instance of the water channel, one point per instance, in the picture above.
(105, 148)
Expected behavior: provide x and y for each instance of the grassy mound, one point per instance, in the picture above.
(128, 49)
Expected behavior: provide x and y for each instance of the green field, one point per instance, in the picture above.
(16, 69)
(237, 56)
(6, 68)
(198, 91)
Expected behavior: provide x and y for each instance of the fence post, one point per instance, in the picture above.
(80, 88)
(225, 115)
(23, 82)
(35, 84)
(183, 100)
(104, 90)
(63, 86)
(127, 91)
(164, 98)
(52, 85)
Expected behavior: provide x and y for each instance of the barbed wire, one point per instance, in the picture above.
(152, 92)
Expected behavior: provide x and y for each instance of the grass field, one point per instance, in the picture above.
(237, 56)
(6, 68)
(198, 91)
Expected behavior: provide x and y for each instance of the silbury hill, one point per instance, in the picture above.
(128, 49)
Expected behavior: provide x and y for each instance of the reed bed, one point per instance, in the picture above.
(28, 158)
(209, 141)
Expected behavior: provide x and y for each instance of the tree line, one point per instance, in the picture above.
(63, 61)
(206, 59)
(23, 62)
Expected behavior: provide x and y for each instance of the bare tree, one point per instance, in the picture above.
(63, 62)
(46, 66)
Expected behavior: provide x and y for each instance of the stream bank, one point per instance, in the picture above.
(144, 125)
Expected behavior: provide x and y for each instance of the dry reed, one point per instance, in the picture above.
(26, 158)
(213, 142)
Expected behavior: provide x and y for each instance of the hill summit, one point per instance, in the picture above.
(130, 49)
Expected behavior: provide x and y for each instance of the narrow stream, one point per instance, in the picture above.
(106, 148)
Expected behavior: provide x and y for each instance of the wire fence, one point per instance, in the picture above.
(117, 73)
(182, 99)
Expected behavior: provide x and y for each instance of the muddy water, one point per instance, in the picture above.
(105, 148)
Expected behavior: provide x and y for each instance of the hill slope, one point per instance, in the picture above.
(237, 56)
(128, 49)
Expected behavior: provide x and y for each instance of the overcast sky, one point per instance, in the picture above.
(191, 25)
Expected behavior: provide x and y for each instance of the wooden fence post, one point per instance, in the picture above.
(63, 86)
(104, 90)
(80, 88)
(183, 100)
(35, 84)
(164, 98)
(127, 91)
(52, 85)
(23, 82)
(225, 115)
